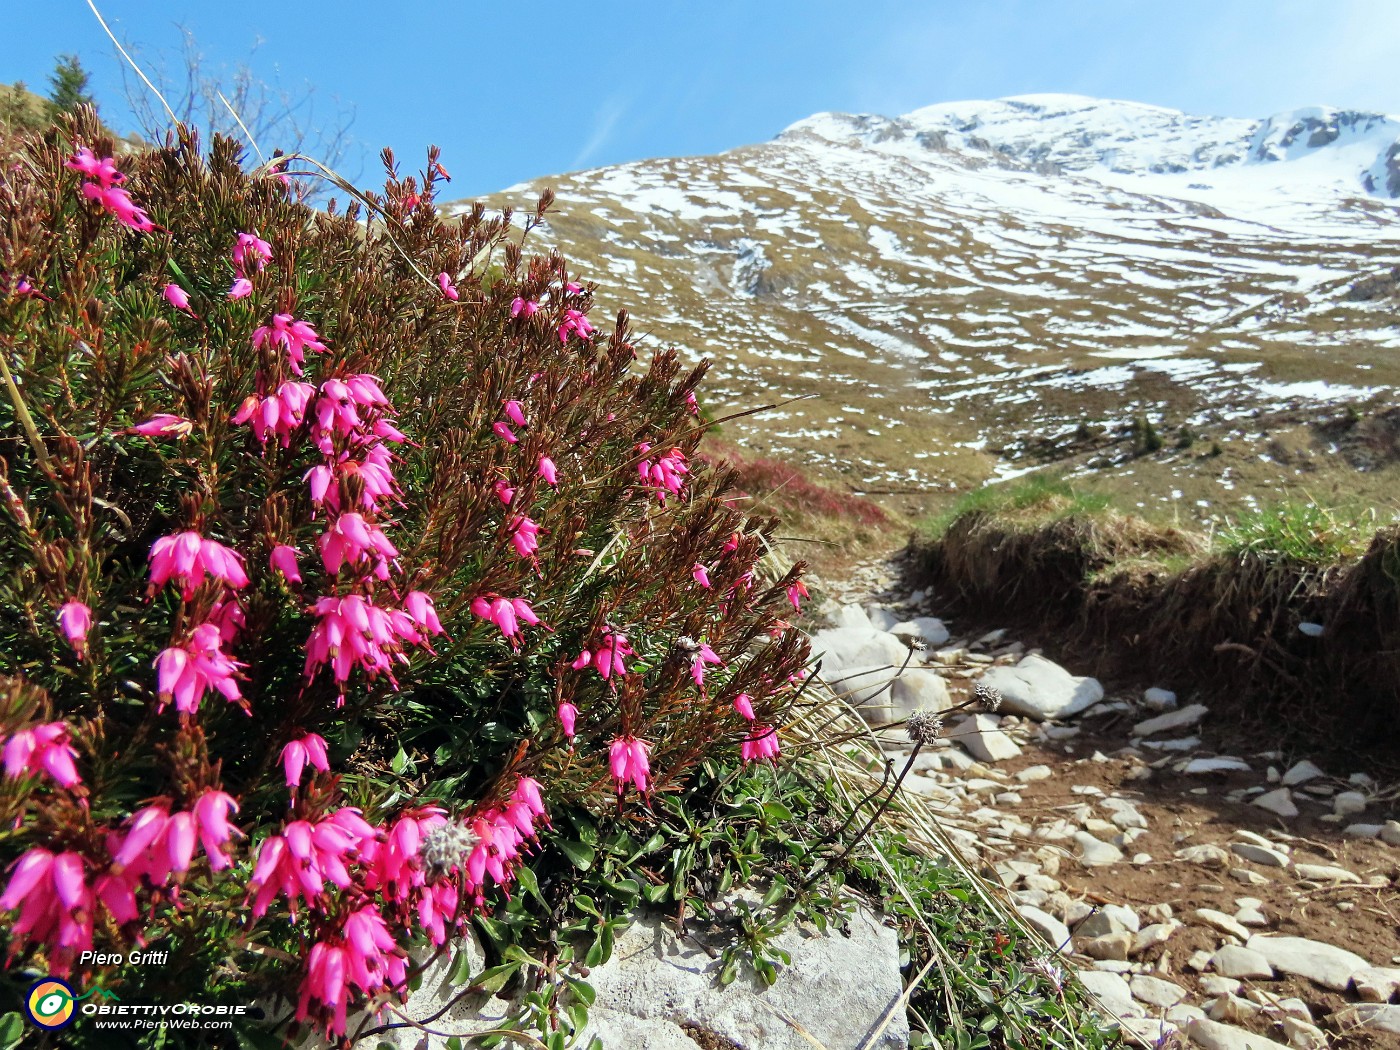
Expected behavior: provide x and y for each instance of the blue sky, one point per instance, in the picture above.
(514, 91)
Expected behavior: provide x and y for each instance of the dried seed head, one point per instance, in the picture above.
(924, 727)
(446, 848)
(987, 696)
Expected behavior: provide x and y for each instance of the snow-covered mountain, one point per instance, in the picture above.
(996, 275)
(1103, 137)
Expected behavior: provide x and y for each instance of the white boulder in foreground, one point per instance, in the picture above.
(1041, 689)
(838, 990)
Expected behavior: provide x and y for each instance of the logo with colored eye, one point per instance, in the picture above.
(50, 1004)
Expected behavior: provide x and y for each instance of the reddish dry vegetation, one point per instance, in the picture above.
(780, 487)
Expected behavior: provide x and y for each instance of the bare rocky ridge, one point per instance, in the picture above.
(1224, 899)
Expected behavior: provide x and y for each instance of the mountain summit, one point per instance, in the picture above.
(960, 290)
(1082, 134)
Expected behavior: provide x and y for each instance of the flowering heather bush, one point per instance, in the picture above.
(337, 558)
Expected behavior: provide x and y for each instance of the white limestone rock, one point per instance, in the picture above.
(1325, 964)
(1376, 984)
(1159, 699)
(1155, 991)
(1056, 932)
(1183, 718)
(981, 737)
(1112, 991)
(1212, 1035)
(839, 988)
(1095, 852)
(1279, 801)
(1301, 773)
(1232, 960)
(926, 629)
(1041, 689)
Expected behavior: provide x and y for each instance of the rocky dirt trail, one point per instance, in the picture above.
(1241, 901)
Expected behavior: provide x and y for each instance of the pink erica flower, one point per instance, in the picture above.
(691, 403)
(363, 960)
(665, 475)
(505, 492)
(56, 906)
(515, 413)
(251, 251)
(211, 813)
(103, 171)
(298, 754)
(227, 615)
(283, 559)
(373, 475)
(523, 307)
(75, 620)
(527, 792)
(507, 614)
(240, 289)
(628, 759)
(293, 336)
(178, 298)
(186, 557)
(153, 844)
(43, 750)
(24, 288)
(796, 592)
(440, 172)
(163, 424)
(702, 577)
(743, 705)
(525, 536)
(338, 408)
(568, 718)
(278, 415)
(760, 745)
(572, 289)
(575, 322)
(423, 612)
(353, 632)
(118, 203)
(385, 430)
(298, 863)
(548, 471)
(704, 655)
(503, 431)
(448, 288)
(607, 658)
(324, 986)
(353, 541)
(186, 672)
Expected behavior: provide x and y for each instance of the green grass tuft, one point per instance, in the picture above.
(1299, 532)
(1044, 497)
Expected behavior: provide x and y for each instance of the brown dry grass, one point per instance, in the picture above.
(1150, 604)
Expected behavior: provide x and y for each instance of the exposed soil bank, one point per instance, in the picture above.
(1226, 627)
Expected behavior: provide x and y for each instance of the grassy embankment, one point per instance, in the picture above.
(1222, 616)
